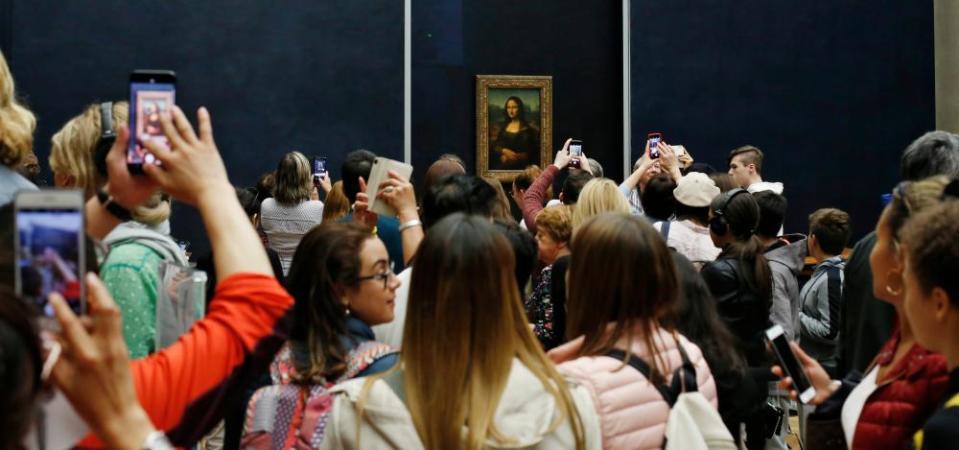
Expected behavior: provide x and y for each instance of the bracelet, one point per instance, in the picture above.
(113, 207)
(156, 440)
(410, 224)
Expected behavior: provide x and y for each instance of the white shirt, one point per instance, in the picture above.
(392, 333)
(690, 240)
(285, 226)
(852, 408)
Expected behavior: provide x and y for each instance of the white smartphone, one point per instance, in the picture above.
(679, 150)
(50, 249)
(790, 364)
(379, 174)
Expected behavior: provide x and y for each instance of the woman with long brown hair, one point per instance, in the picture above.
(472, 374)
(625, 308)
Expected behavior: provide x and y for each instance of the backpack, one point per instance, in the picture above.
(693, 423)
(286, 415)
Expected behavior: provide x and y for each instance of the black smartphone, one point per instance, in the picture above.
(319, 168)
(654, 139)
(575, 151)
(152, 92)
(49, 245)
(790, 364)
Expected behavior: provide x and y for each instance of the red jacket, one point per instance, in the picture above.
(908, 394)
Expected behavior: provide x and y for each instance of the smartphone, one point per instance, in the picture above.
(319, 169)
(379, 174)
(654, 139)
(152, 92)
(49, 245)
(575, 151)
(790, 364)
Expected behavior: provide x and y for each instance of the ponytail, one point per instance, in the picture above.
(750, 253)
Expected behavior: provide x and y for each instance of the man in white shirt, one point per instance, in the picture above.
(689, 232)
(745, 167)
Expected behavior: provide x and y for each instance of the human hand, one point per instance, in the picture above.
(325, 183)
(128, 190)
(562, 158)
(667, 157)
(314, 193)
(93, 371)
(398, 193)
(361, 208)
(814, 371)
(685, 159)
(508, 155)
(192, 170)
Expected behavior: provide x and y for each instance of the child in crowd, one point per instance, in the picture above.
(822, 295)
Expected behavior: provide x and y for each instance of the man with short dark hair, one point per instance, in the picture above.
(745, 167)
(869, 322)
(786, 255)
(819, 318)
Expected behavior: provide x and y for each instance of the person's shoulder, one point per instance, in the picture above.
(941, 431)
(132, 255)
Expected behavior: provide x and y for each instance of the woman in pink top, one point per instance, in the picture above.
(625, 306)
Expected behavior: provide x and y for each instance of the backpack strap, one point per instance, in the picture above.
(684, 378)
(363, 355)
(637, 363)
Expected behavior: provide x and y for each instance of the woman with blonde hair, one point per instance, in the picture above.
(290, 213)
(619, 312)
(337, 205)
(16, 136)
(137, 247)
(598, 196)
(472, 374)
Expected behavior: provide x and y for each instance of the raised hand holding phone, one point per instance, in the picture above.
(807, 380)
(562, 158)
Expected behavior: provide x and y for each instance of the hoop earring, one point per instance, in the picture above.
(896, 291)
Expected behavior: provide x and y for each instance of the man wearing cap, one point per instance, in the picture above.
(689, 232)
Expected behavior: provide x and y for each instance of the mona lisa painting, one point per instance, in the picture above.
(513, 124)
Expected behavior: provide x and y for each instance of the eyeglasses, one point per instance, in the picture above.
(385, 276)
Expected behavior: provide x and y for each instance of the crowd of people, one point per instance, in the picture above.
(610, 315)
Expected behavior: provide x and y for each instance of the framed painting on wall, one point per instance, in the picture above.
(514, 124)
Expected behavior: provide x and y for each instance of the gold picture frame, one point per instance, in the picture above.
(514, 124)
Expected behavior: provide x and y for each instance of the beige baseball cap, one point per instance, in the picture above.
(695, 189)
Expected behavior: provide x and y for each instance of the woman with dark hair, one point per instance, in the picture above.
(616, 312)
(697, 319)
(517, 142)
(290, 213)
(741, 282)
(473, 375)
(739, 278)
(342, 284)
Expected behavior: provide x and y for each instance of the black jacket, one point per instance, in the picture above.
(867, 322)
(741, 306)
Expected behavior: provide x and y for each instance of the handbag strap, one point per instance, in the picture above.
(684, 377)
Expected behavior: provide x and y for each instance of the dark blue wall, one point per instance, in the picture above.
(322, 77)
(832, 92)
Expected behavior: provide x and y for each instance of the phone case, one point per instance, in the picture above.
(379, 174)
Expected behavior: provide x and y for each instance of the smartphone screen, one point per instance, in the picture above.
(319, 166)
(50, 251)
(576, 148)
(151, 94)
(654, 140)
(790, 364)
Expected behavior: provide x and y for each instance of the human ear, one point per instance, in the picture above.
(942, 303)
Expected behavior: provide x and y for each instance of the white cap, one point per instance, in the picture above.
(695, 189)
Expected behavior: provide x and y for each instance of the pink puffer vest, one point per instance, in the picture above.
(632, 412)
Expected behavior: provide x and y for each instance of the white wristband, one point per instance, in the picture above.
(410, 224)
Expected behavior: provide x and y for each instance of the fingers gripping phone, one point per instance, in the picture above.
(50, 251)
(319, 169)
(379, 174)
(790, 364)
(152, 92)
(575, 152)
(654, 139)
